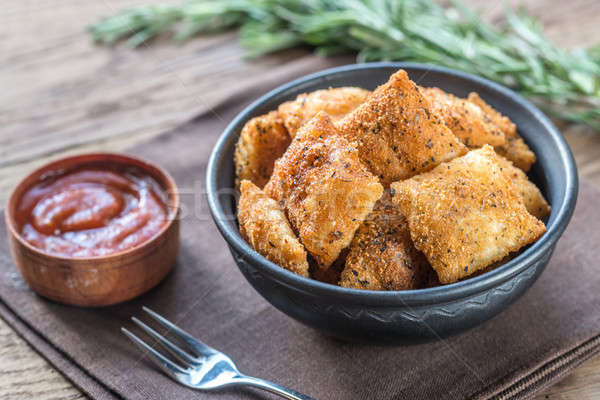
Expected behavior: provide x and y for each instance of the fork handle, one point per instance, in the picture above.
(271, 387)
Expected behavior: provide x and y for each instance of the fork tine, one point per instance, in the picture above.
(201, 348)
(170, 346)
(168, 366)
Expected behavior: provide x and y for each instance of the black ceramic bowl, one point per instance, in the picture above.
(414, 315)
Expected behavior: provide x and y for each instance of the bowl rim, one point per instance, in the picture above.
(82, 159)
(468, 287)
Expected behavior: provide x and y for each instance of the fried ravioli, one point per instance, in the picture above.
(515, 149)
(397, 132)
(501, 121)
(262, 141)
(324, 188)
(382, 255)
(265, 227)
(336, 102)
(534, 201)
(466, 119)
(465, 214)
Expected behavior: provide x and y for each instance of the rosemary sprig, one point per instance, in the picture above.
(517, 54)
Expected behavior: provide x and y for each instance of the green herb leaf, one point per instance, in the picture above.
(566, 84)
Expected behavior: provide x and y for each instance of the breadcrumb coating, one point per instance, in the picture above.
(262, 141)
(447, 214)
(465, 214)
(465, 119)
(515, 149)
(336, 102)
(382, 255)
(264, 226)
(501, 121)
(324, 188)
(397, 132)
(534, 201)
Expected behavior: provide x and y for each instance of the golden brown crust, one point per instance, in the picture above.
(262, 141)
(515, 149)
(336, 102)
(397, 132)
(466, 214)
(533, 199)
(264, 226)
(466, 119)
(501, 121)
(325, 189)
(382, 255)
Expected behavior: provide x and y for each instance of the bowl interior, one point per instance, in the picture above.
(554, 172)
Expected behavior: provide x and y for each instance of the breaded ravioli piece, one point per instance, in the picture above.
(382, 255)
(262, 141)
(336, 102)
(515, 149)
(398, 133)
(264, 226)
(466, 120)
(466, 214)
(501, 121)
(324, 188)
(534, 201)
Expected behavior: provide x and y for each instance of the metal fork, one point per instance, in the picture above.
(205, 369)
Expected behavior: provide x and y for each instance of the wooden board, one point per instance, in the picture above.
(62, 94)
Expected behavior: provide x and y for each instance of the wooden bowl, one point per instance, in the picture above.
(104, 280)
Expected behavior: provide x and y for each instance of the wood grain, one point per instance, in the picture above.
(62, 95)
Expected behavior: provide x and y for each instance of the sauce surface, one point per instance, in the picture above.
(91, 212)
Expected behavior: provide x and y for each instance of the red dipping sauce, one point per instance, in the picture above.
(91, 212)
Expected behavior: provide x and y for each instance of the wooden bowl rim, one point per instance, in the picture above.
(152, 169)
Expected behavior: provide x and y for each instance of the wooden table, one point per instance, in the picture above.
(61, 94)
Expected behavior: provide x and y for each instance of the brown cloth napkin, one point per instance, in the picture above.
(539, 339)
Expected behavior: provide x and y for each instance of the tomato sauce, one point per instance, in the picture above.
(91, 212)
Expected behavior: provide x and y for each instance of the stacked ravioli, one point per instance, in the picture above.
(400, 188)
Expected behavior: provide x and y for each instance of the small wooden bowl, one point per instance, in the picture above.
(97, 281)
